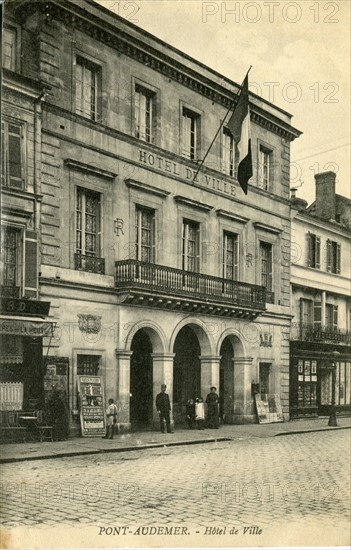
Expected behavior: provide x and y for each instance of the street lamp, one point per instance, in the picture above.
(332, 417)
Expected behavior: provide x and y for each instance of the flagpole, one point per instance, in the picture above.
(219, 129)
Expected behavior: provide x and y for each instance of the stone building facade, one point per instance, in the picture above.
(321, 302)
(154, 276)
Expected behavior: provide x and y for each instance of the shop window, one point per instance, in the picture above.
(307, 383)
(88, 365)
(333, 256)
(144, 111)
(12, 154)
(190, 145)
(230, 256)
(314, 251)
(87, 88)
(145, 234)
(191, 246)
(228, 152)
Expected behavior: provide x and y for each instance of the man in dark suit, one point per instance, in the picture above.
(163, 407)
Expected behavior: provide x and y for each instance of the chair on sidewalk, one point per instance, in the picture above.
(45, 431)
(16, 432)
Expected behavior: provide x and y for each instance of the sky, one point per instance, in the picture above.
(300, 55)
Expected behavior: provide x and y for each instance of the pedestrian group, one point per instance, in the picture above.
(199, 415)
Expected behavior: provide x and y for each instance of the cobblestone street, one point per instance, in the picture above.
(301, 479)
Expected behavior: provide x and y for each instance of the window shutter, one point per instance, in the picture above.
(153, 239)
(309, 249)
(197, 244)
(335, 317)
(318, 253)
(236, 258)
(329, 255)
(15, 138)
(270, 269)
(317, 314)
(338, 257)
(30, 264)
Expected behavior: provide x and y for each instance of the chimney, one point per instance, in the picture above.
(325, 195)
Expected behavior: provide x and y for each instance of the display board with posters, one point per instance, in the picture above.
(269, 408)
(92, 406)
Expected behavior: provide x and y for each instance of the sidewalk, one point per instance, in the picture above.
(17, 452)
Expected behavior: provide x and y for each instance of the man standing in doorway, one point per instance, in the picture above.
(163, 407)
(212, 401)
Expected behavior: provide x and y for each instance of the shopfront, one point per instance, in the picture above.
(23, 325)
(311, 380)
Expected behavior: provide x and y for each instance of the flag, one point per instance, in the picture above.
(239, 126)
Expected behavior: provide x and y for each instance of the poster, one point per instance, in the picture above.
(92, 406)
(269, 408)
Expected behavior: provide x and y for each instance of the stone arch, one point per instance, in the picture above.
(154, 332)
(236, 340)
(200, 329)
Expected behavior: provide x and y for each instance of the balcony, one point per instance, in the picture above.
(269, 297)
(322, 334)
(155, 285)
(91, 264)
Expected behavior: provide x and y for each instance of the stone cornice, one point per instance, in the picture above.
(192, 203)
(94, 170)
(149, 56)
(232, 216)
(139, 186)
(268, 228)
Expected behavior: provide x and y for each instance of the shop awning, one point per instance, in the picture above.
(26, 326)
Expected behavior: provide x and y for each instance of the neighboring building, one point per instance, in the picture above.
(23, 318)
(152, 277)
(321, 302)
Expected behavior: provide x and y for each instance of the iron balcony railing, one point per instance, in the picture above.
(135, 274)
(269, 297)
(319, 333)
(89, 263)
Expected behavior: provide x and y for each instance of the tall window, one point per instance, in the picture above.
(266, 250)
(333, 256)
(144, 113)
(314, 251)
(265, 168)
(331, 316)
(228, 156)
(230, 256)
(190, 134)
(88, 365)
(12, 162)
(87, 88)
(88, 222)
(10, 245)
(145, 234)
(191, 246)
(9, 49)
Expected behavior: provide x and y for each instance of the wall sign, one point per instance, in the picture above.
(92, 406)
(269, 408)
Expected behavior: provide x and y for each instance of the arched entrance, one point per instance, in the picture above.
(141, 380)
(186, 370)
(226, 381)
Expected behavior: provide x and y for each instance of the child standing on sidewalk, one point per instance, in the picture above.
(190, 413)
(200, 413)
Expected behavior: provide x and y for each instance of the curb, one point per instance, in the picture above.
(326, 429)
(158, 445)
(115, 450)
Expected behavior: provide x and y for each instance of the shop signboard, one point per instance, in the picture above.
(92, 406)
(269, 408)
